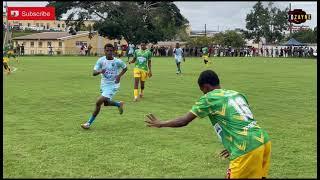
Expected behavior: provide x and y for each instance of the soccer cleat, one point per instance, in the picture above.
(120, 108)
(135, 99)
(85, 126)
(141, 95)
(177, 72)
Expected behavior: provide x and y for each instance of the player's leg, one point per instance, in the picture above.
(266, 160)
(144, 76)
(141, 88)
(110, 91)
(137, 76)
(95, 113)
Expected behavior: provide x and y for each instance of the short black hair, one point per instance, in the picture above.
(208, 77)
(108, 45)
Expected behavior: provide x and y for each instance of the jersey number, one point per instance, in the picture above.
(241, 107)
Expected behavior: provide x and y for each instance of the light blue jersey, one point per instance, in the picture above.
(131, 49)
(112, 67)
(178, 52)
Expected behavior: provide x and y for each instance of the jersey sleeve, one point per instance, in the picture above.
(121, 64)
(98, 66)
(201, 108)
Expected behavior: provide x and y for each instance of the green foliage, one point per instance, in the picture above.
(306, 36)
(228, 38)
(135, 21)
(268, 22)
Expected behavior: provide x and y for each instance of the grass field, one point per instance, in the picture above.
(47, 98)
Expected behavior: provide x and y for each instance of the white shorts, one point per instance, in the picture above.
(109, 90)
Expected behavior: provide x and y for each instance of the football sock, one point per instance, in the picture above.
(141, 91)
(135, 93)
(91, 119)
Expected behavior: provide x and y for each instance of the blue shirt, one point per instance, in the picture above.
(112, 68)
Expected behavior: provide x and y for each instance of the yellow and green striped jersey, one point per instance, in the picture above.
(232, 120)
(142, 57)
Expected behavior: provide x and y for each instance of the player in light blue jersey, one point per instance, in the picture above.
(178, 56)
(108, 66)
(131, 51)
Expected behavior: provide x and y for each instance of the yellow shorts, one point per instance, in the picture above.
(205, 57)
(254, 164)
(138, 73)
(119, 52)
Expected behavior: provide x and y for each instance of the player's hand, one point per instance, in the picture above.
(225, 153)
(102, 71)
(150, 74)
(152, 121)
(117, 79)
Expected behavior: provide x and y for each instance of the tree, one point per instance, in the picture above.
(267, 22)
(233, 39)
(134, 21)
(306, 36)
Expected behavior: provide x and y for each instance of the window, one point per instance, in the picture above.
(80, 43)
(37, 24)
(32, 51)
(29, 24)
(20, 24)
(40, 44)
(40, 51)
(41, 25)
(60, 44)
(62, 25)
(49, 43)
(58, 25)
(48, 25)
(31, 44)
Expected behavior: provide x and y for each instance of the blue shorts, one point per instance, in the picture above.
(109, 90)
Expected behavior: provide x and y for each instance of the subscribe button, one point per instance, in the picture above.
(31, 13)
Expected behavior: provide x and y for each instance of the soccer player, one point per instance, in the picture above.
(246, 144)
(108, 66)
(131, 51)
(5, 60)
(178, 55)
(142, 60)
(205, 55)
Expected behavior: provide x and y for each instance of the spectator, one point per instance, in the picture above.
(89, 50)
(22, 49)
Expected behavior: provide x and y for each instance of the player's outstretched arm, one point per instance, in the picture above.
(152, 121)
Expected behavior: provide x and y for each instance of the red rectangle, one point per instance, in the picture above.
(31, 13)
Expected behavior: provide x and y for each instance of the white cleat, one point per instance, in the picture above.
(85, 126)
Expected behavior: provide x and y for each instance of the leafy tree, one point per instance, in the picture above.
(306, 36)
(268, 22)
(135, 21)
(233, 39)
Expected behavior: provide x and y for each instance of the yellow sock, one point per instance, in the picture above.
(135, 92)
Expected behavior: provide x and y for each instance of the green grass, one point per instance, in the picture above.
(47, 99)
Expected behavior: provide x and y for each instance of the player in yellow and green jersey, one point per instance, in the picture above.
(205, 55)
(246, 144)
(142, 69)
(5, 61)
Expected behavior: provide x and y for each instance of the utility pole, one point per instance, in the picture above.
(290, 26)
(205, 29)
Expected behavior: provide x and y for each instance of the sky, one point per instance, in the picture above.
(217, 15)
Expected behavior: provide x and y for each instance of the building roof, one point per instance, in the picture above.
(51, 36)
